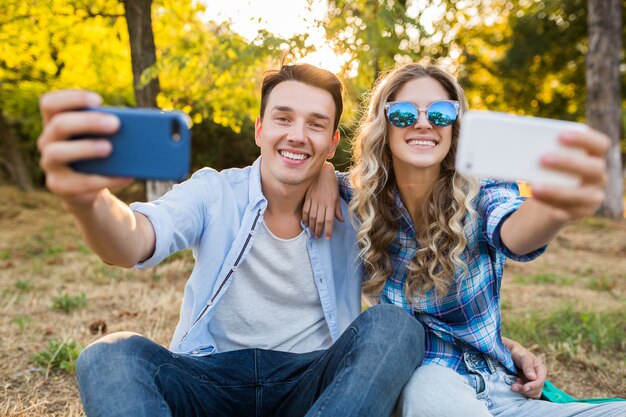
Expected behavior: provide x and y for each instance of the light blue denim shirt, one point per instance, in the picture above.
(216, 214)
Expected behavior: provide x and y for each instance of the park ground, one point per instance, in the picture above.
(569, 306)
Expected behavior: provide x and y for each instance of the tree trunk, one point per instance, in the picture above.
(143, 56)
(604, 93)
(11, 157)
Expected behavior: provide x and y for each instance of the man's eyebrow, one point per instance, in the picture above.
(289, 109)
(282, 108)
(320, 116)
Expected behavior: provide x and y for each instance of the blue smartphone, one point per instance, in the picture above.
(150, 144)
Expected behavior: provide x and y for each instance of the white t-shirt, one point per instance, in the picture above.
(275, 280)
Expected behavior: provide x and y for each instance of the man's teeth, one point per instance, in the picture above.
(418, 142)
(296, 156)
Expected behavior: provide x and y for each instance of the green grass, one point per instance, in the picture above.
(183, 254)
(67, 303)
(544, 279)
(24, 285)
(53, 250)
(23, 322)
(602, 283)
(59, 355)
(571, 330)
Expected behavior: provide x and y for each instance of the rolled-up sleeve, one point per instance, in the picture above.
(178, 216)
(496, 202)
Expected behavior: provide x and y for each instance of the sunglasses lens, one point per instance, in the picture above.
(442, 113)
(402, 114)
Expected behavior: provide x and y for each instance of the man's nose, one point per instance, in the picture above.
(297, 132)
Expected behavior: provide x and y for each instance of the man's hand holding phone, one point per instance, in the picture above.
(109, 145)
(113, 231)
(62, 122)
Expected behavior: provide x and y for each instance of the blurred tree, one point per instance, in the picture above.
(138, 15)
(11, 157)
(374, 34)
(603, 92)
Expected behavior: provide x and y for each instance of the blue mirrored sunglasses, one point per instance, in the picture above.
(404, 113)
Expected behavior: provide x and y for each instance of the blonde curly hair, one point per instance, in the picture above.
(442, 238)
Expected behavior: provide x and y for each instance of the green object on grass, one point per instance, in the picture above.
(555, 395)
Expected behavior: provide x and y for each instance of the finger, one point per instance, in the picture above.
(594, 142)
(591, 168)
(568, 197)
(66, 182)
(306, 210)
(319, 221)
(312, 217)
(59, 101)
(529, 371)
(62, 153)
(65, 125)
(338, 211)
(542, 372)
(328, 224)
(532, 390)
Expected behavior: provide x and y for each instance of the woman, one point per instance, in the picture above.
(435, 242)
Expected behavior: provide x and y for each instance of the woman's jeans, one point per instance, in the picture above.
(362, 374)
(437, 391)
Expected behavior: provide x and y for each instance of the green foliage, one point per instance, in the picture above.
(515, 56)
(59, 355)
(570, 330)
(66, 51)
(67, 303)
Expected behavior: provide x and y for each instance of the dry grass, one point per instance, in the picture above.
(42, 256)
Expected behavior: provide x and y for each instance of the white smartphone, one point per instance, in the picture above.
(509, 147)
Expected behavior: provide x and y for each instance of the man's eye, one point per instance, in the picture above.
(282, 119)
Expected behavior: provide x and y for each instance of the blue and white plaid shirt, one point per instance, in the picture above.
(468, 317)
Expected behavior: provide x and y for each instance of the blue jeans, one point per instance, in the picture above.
(362, 374)
(437, 391)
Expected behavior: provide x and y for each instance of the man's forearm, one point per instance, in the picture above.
(114, 232)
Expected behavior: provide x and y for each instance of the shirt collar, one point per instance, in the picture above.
(404, 218)
(255, 191)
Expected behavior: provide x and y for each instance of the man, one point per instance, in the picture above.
(268, 323)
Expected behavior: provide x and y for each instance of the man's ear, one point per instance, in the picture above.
(333, 145)
(258, 125)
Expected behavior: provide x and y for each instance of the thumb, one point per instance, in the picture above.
(529, 371)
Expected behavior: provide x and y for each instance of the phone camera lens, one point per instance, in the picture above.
(176, 136)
